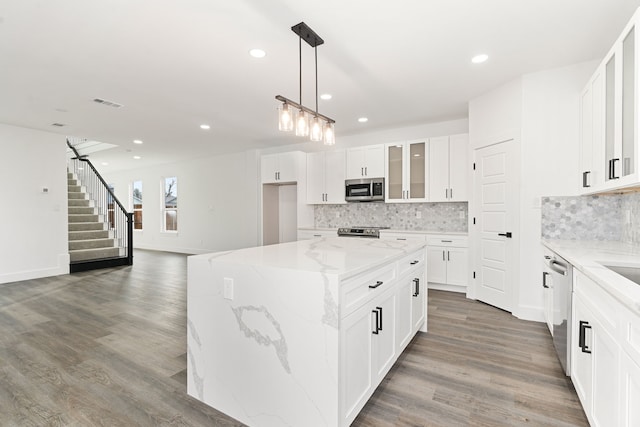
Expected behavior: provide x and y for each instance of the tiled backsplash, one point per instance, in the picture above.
(605, 217)
(443, 217)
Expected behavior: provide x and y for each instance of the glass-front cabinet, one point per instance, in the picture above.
(609, 119)
(406, 171)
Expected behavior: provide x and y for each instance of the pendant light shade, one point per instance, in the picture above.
(329, 135)
(285, 118)
(321, 126)
(302, 124)
(316, 129)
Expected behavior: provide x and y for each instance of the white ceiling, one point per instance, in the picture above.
(175, 64)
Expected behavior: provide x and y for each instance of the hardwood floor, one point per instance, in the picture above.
(108, 348)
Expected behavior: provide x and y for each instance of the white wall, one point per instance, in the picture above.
(33, 224)
(217, 203)
(550, 163)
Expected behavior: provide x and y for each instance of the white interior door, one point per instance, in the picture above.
(495, 188)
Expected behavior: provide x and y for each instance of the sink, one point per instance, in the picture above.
(631, 273)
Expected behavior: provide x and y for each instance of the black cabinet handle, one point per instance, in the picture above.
(380, 310)
(544, 280)
(582, 337)
(612, 169)
(443, 258)
(378, 283)
(508, 234)
(414, 262)
(448, 256)
(416, 281)
(585, 183)
(375, 332)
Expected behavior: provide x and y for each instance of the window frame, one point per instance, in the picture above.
(164, 210)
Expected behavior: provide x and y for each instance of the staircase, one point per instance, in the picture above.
(100, 228)
(89, 237)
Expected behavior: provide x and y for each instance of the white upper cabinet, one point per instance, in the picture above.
(281, 167)
(448, 168)
(325, 177)
(608, 112)
(365, 162)
(406, 171)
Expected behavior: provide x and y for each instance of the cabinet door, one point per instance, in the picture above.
(269, 167)
(404, 321)
(457, 266)
(355, 163)
(436, 264)
(458, 168)
(439, 169)
(374, 162)
(395, 172)
(334, 173)
(628, 102)
(610, 118)
(315, 178)
(288, 166)
(384, 343)
(356, 356)
(581, 362)
(586, 136)
(629, 393)
(606, 377)
(416, 174)
(418, 301)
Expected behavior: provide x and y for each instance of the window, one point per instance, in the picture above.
(136, 202)
(170, 206)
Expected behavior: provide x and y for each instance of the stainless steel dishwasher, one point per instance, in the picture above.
(561, 282)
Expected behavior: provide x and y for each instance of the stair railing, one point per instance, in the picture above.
(120, 222)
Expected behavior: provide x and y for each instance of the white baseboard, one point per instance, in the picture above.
(60, 269)
(450, 288)
(529, 312)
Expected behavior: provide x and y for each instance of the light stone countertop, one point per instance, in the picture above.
(343, 256)
(448, 233)
(589, 257)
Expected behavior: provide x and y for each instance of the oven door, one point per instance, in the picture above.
(358, 190)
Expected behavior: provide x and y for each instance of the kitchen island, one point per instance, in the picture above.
(301, 333)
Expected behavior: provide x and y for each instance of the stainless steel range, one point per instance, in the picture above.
(360, 231)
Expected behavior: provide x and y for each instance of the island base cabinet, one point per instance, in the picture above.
(368, 352)
(418, 303)
(630, 393)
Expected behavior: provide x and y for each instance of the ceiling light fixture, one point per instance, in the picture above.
(137, 141)
(137, 157)
(291, 112)
(257, 53)
(478, 59)
(363, 120)
(326, 96)
(205, 127)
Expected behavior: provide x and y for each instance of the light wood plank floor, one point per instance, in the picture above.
(108, 348)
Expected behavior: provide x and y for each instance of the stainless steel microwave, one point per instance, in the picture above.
(364, 190)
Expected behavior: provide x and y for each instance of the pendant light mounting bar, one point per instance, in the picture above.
(307, 34)
(302, 107)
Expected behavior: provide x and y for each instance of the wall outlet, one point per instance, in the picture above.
(228, 288)
(418, 214)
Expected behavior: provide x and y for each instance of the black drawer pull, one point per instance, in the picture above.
(378, 283)
(375, 332)
(417, 283)
(414, 262)
(582, 337)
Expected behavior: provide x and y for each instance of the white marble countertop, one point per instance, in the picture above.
(449, 233)
(590, 257)
(343, 256)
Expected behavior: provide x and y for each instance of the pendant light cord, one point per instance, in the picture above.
(315, 50)
(300, 65)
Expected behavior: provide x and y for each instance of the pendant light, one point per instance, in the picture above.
(307, 121)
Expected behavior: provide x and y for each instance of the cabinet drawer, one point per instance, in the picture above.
(356, 291)
(411, 261)
(458, 241)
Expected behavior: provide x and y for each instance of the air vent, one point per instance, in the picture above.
(107, 103)
(58, 124)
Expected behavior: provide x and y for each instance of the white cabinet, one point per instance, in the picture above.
(630, 392)
(308, 233)
(418, 302)
(406, 171)
(595, 362)
(325, 177)
(609, 120)
(365, 162)
(447, 262)
(448, 168)
(281, 167)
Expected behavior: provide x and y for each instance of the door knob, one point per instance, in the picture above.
(508, 234)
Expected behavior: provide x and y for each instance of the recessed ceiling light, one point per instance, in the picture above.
(205, 127)
(105, 164)
(137, 157)
(363, 120)
(325, 96)
(137, 141)
(257, 53)
(416, 155)
(479, 58)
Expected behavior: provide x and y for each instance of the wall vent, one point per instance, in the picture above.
(58, 124)
(107, 103)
